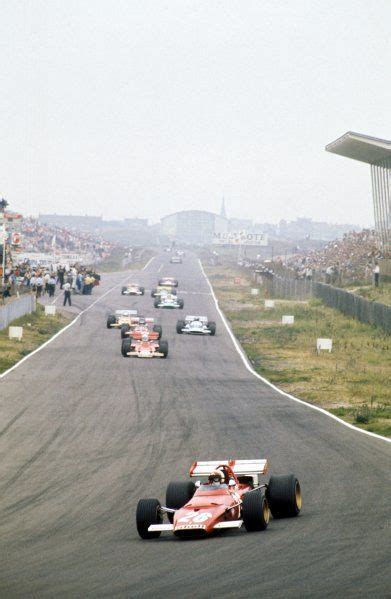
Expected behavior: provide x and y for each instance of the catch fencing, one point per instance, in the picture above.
(15, 308)
(348, 303)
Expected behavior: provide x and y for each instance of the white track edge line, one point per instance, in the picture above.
(68, 326)
(261, 378)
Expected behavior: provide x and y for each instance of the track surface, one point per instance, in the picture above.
(84, 433)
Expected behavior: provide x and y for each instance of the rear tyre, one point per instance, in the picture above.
(142, 289)
(153, 292)
(147, 513)
(156, 303)
(123, 290)
(179, 326)
(124, 329)
(212, 328)
(163, 348)
(110, 321)
(284, 496)
(125, 347)
(181, 303)
(178, 494)
(158, 329)
(255, 511)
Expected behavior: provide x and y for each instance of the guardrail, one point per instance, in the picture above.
(15, 308)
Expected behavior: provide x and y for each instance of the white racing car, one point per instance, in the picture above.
(169, 300)
(132, 289)
(196, 325)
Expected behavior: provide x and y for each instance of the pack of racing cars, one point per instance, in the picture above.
(140, 336)
(227, 495)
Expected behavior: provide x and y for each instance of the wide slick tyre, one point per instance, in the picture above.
(181, 303)
(178, 494)
(110, 321)
(124, 329)
(284, 496)
(255, 511)
(147, 513)
(212, 328)
(125, 347)
(156, 303)
(163, 348)
(179, 326)
(158, 329)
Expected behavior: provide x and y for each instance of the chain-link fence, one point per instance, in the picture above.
(364, 310)
(353, 305)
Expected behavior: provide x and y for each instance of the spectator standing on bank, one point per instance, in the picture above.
(39, 284)
(67, 294)
(376, 274)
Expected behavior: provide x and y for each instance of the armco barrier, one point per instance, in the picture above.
(15, 308)
(354, 305)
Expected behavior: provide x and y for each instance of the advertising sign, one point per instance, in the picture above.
(239, 238)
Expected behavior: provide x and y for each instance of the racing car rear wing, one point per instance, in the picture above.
(240, 467)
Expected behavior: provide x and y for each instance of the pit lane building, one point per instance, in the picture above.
(195, 227)
(377, 153)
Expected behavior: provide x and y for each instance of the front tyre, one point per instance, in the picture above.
(181, 303)
(163, 348)
(255, 511)
(126, 347)
(110, 321)
(147, 513)
(124, 329)
(212, 328)
(178, 494)
(284, 496)
(179, 326)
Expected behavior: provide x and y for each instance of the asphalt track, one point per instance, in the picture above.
(84, 433)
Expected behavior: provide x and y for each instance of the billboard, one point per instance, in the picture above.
(239, 238)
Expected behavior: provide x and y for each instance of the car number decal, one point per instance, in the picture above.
(196, 517)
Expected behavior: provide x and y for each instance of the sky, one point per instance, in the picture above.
(126, 108)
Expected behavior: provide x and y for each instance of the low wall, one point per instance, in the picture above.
(25, 304)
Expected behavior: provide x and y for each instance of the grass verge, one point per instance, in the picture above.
(352, 381)
(37, 328)
(380, 294)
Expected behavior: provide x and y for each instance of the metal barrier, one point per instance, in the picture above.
(16, 308)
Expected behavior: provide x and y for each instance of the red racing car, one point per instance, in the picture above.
(144, 325)
(144, 348)
(230, 496)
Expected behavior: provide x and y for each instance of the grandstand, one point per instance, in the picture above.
(377, 153)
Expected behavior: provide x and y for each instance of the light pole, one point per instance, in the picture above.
(3, 235)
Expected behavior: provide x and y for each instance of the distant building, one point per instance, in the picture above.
(240, 224)
(195, 227)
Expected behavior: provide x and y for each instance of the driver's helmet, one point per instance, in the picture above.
(216, 477)
(141, 321)
(145, 337)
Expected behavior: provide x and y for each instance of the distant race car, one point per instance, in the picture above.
(196, 325)
(175, 260)
(169, 300)
(121, 317)
(132, 289)
(162, 289)
(144, 325)
(144, 348)
(168, 281)
(180, 253)
(230, 497)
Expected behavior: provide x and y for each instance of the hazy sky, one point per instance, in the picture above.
(141, 108)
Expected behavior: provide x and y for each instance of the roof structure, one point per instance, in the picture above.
(361, 147)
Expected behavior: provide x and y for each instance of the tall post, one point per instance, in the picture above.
(3, 234)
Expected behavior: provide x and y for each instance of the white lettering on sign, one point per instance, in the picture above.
(239, 238)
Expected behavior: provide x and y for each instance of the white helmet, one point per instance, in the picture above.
(216, 477)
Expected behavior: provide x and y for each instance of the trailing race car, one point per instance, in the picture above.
(133, 289)
(230, 497)
(196, 325)
(121, 317)
(169, 300)
(168, 282)
(162, 290)
(175, 260)
(144, 325)
(144, 348)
